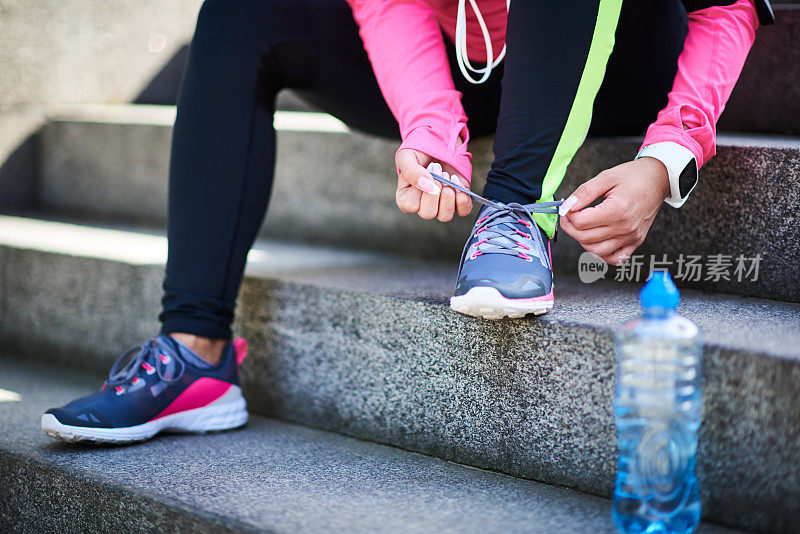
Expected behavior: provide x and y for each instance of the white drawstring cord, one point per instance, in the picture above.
(461, 43)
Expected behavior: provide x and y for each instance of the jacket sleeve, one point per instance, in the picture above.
(718, 41)
(407, 53)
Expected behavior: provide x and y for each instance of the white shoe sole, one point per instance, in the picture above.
(225, 413)
(487, 302)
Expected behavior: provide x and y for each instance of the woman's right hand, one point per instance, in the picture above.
(418, 193)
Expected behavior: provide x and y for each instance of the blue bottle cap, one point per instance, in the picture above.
(660, 291)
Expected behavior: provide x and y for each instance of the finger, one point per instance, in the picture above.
(410, 171)
(429, 206)
(463, 201)
(435, 167)
(620, 256)
(585, 237)
(447, 202)
(588, 192)
(610, 212)
(606, 248)
(408, 199)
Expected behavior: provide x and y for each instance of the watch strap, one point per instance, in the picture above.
(681, 169)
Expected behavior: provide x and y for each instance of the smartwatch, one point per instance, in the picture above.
(681, 168)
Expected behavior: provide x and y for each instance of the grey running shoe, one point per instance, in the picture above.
(506, 268)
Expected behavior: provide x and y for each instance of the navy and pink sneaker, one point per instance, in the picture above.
(157, 386)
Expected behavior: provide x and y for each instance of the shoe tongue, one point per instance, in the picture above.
(166, 346)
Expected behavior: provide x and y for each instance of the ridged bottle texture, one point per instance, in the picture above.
(658, 411)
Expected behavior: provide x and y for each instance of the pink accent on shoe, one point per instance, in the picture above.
(482, 241)
(483, 219)
(240, 346)
(524, 256)
(149, 368)
(526, 223)
(201, 392)
(523, 245)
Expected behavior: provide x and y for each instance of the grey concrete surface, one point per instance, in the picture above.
(267, 477)
(745, 204)
(87, 51)
(366, 346)
(533, 398)
(120, 166)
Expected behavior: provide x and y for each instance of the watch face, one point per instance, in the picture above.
(688, 178)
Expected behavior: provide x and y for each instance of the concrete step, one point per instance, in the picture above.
(767, 97)
(268, 477)
(364, 344)
(78, 51)
(102, 161)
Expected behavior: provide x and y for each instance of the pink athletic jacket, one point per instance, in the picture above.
(404, 42)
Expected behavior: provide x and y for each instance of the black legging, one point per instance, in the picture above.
(244, 52)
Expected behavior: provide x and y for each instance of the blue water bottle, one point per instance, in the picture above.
(658, 404)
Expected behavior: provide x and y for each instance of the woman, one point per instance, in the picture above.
(409, 75)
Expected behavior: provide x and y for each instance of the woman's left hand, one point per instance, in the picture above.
(418, 193)
(633, 193)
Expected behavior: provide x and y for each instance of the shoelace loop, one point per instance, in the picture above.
(137, 357)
